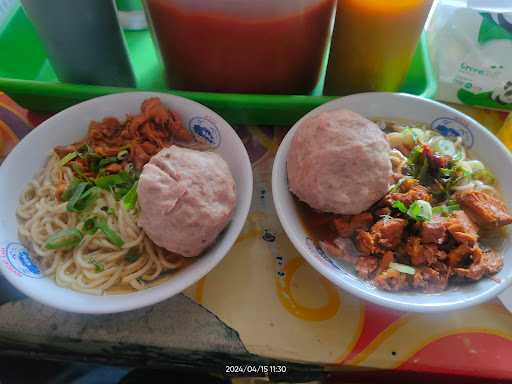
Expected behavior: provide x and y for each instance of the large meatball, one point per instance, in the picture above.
(339, 162)
(186, 199)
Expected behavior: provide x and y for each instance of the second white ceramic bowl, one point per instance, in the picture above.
(445, 120)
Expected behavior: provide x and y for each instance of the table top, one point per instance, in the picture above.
(273, 308)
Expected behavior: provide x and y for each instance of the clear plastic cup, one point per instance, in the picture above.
(263, 46)
(83, 40)
(373, 44)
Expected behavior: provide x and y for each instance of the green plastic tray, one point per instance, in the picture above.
(26, 76)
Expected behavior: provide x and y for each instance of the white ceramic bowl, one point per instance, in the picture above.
(441, 117)
(71, 125)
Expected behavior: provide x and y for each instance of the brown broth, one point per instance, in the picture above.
(121, 289)
(318, 224)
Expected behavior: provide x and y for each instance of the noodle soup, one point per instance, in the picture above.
(441, 222)
(80, 215)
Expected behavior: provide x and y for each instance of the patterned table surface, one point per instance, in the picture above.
(274, 304)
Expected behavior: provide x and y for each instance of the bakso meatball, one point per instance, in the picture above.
(339, 162)
(186, 199)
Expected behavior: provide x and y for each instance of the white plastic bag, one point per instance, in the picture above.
(471, 49)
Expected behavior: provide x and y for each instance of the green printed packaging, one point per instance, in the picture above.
(471, 51)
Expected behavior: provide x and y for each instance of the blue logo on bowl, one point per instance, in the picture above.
(454, 128)
(19, 259)
(205, 131)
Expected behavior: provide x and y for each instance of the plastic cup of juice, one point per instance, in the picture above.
(242, 46)
(373, 44)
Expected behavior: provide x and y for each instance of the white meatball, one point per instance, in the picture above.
(339, 162)
(186, 199)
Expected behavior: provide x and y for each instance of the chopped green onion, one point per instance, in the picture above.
(439, 210)
(415, 154)
(78, 170)
(110, 181)
(420, 210)
(70, 190)
(90, 226)
(423, 171)
(110, 234)
(66, 159)
(463, 168)
(78, 190)
(400, 206)
(132, 256)
(444, 209)
(446, 172)
(85, 150)
(83, 196)
(453, 207)
(485, 176)
(122, 154)
(402, 268)
(130, 198)
(444, 147)
(67, 238)
(107, 161)
(98, 267)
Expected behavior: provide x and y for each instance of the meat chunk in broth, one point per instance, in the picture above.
(485, 209)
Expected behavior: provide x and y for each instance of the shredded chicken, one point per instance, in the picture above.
(433, 232)
(429, 279)
(366, 266)
(410, 191)
(487, 263)
(391, 280)
(387, 233)
(347, 225)
(143, 135)
(462, 229)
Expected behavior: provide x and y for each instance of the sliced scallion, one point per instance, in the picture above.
(107, 161)
(66, 159)
(110, 234)
(420, 210)
(130, 198)
(400, 206)
(122, 154)
(132, 256)
(402, 268)
(90, 226)
(67, 238)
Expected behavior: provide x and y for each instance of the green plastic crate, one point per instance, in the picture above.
(26, 76)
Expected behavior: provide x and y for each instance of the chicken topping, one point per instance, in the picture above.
(485, 209)
(391, 280)
(462, 228)
(142, 135)
(487, 263)
(410, 191)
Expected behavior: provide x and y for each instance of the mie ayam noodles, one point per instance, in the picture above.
(425, 215)
(81, 218)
